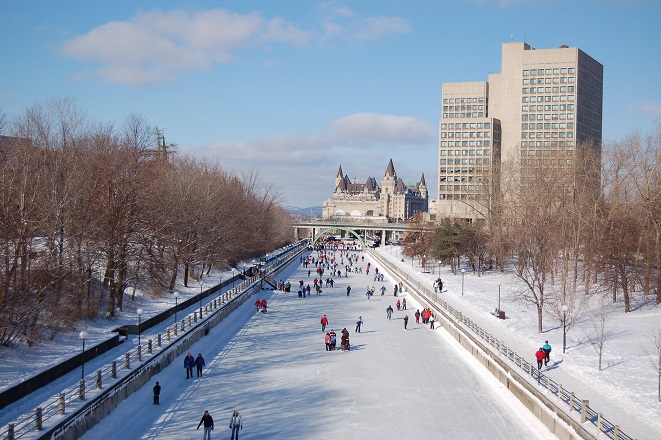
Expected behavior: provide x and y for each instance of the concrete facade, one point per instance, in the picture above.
(544, 105)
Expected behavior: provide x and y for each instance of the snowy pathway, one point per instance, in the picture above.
(274, 369)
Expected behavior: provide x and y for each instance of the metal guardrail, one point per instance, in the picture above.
(603, 425)
(75, 395)
(57, 405)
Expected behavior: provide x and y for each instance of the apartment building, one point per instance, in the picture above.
(543, 105)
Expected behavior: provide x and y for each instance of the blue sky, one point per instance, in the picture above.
(294, 89)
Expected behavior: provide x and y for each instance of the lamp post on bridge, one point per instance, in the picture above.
(499, 300)
(463, 272)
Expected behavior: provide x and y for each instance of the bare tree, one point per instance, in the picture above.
(655, 357)
(597, 335)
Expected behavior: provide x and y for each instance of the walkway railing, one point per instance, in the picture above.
(57, 413)
(570, 402)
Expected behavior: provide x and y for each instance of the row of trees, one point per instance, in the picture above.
(571, 228)
(90, 212)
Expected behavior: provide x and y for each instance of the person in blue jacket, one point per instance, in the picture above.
(189, 363)
(199, 363)
(547, 353)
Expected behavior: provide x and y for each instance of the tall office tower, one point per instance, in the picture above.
(544, 105)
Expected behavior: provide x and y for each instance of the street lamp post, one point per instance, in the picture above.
(83, 335)
(139, 312)
(176, 304)
(463, 272)
(499, 300)
(233, 278)
(201, 290)
(564, 326)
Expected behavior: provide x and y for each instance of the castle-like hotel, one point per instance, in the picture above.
(392, 201)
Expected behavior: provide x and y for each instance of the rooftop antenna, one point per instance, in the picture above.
(512, 36)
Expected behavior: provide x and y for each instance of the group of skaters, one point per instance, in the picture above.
(236, 424)
(331, 340)
(261, 305)
(191, 362)
(427, 316)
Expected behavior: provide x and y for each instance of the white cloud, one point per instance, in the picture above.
(342, 22)
(651, 108)
(304, 166)
(375, 28)
(156, 46)
(369, 129)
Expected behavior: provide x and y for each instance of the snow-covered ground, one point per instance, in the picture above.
(625, 391)
(275, 370)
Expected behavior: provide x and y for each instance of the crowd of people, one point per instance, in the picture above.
(328, 264)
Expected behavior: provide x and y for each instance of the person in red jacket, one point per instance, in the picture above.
(324, 323)
(540, 355)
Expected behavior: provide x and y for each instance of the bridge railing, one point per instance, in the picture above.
(571, 405)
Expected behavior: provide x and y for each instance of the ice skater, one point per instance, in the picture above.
(207, 420)
(235, 424)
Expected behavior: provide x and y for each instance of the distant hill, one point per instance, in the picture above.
(305, 213)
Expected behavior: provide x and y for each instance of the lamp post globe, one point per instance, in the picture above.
(83, 335)
(139, 312)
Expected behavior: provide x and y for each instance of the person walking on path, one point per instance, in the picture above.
(324, 323)
(540, 355)
(207, 420)
(404, 304)
(389, 312)
(327, 339)
(547, 352)
(348, 290)
(383, 290)
(406, 321)
(235, 424)
(432, 319)
(157, 394)
(189, 363)
(359, 323)
(417, 316)
(199, 363)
